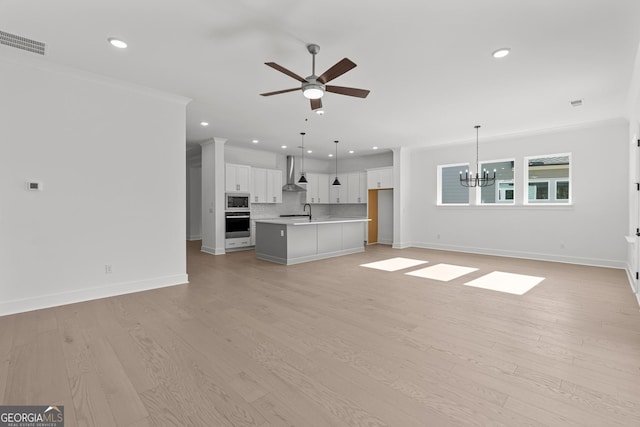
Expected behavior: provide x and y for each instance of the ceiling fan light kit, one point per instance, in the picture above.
(314, 87)
(313, 91)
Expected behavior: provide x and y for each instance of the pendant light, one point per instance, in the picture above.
(303, 179)
(478, 180)
(336, 181)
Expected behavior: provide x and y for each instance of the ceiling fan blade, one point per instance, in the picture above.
(350, 91)
(337, 70)
(280, 91)
(316, 104)
(285, 71)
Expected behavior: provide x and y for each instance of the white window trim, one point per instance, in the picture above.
(506, 202)
(525, 184)
(478, 196)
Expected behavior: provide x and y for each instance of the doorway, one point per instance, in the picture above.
(380, 211)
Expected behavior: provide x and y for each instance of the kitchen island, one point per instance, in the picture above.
(293, 241)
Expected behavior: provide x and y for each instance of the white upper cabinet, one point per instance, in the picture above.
(338, 193)
(237, 178)
(353, 188)
(356, 187)
(258, 185)
(380, 178)
(266, 185)
(274, 186)
(317, 188)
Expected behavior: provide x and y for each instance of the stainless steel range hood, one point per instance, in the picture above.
(291, 176)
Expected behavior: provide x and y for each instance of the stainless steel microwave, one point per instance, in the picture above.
(237, 201)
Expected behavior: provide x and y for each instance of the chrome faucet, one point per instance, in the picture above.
(304, 209)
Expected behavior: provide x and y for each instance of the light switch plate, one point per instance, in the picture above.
(34, 186)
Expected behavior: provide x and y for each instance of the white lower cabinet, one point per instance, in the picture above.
(239, 242)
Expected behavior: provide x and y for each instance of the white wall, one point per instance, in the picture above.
(357, 164)
(589, 232)
(111, 157)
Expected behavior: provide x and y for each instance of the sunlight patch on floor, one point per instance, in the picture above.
(517, 284)
(394, 264)
(442, 272)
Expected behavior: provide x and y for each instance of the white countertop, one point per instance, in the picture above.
(315, 221)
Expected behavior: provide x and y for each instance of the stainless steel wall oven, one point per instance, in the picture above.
(237, 224)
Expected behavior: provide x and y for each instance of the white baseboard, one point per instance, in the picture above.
(192, 238)
(212, 251)
(81, 295)
(595, 262)
(401, 245)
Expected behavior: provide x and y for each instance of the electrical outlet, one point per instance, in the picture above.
(281, 233)
(108, 269)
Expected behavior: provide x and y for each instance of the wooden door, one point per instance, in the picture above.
(373, 215)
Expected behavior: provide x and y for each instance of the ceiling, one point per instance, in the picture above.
(428, 64)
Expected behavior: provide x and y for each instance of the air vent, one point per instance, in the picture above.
(23, 43)
(576, 103)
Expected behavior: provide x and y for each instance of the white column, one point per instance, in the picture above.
(213, 175)
(400, 197)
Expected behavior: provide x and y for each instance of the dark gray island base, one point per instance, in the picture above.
(293, 241)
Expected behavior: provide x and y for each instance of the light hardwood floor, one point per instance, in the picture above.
(330, 343)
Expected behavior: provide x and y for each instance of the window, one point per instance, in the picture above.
(450, 192)
(562, 190)
(538, 190)
(548, 179)
(505, 192)
(502, 191)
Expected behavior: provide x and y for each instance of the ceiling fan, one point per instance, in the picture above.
(314, 87)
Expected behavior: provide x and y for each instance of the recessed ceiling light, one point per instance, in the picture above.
(283, 146)
(309, 151)
(117, 43)
(501, 53)
(351, 151)
(330, 155)
(375, 148)
(255, 141)
(204, 123)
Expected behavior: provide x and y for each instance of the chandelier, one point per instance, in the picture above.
(484, 180)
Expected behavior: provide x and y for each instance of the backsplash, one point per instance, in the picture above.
(293, 203)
